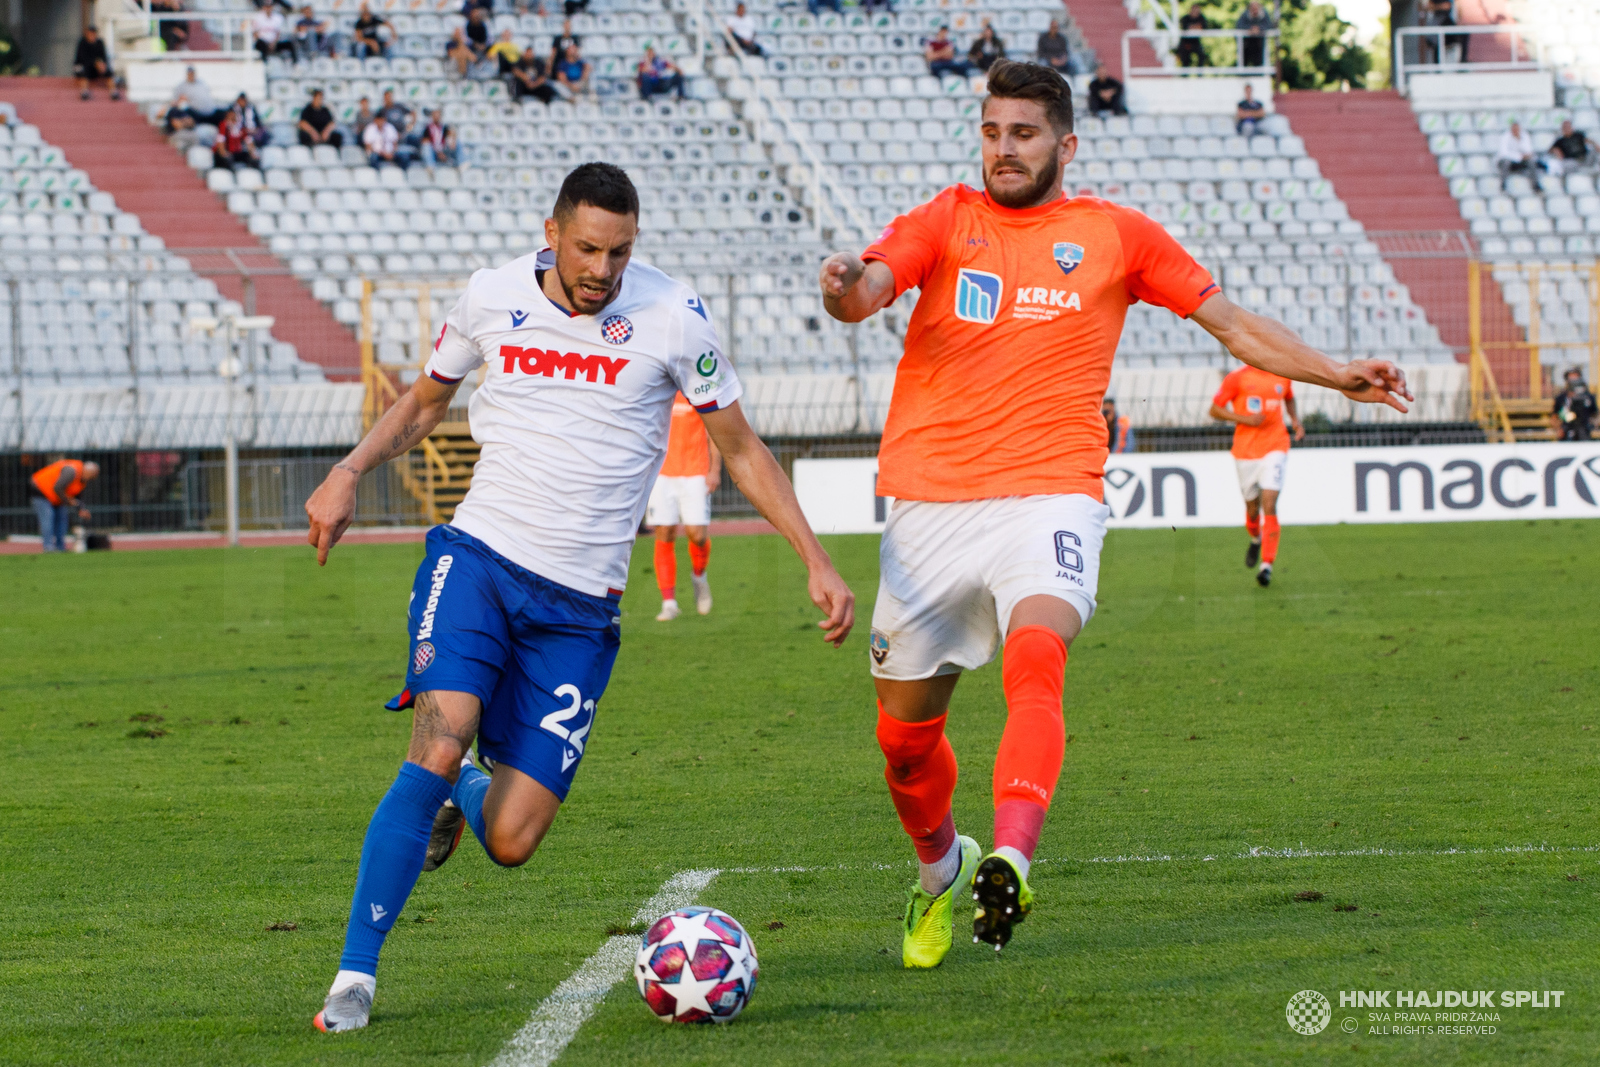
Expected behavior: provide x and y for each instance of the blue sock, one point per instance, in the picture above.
(391, 859)
(471, 788)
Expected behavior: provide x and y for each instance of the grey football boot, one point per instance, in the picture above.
(348, 1009)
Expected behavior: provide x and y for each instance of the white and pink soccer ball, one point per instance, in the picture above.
(696, 965)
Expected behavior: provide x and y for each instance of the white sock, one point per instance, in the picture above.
(936, 877)
(1018, 860)
(345, 979)
(669, 602)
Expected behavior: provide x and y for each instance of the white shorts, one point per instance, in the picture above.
(951, 573)
(1264, 473)
(675, 500)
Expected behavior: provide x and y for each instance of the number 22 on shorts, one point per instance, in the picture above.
(553, 721)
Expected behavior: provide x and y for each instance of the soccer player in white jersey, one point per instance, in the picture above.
(514, 613)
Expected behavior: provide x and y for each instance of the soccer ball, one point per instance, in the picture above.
(696, 965)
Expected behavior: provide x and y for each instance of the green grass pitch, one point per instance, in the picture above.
(1398, 693)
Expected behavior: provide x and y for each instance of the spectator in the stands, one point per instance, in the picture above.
(505, 53)
(1573, 149)
(1439, 13)
(180, 123)
(1515, 156)
(1249, 113)
(400, 116)
(1256, 23)
(1191, 51)
(742, 27)
(573, 7)
(459, 52)
(251, 119)
(201, 102)
(1119, 428)
(316, 124)
(478, 32)
(438, 143)
(468, 5)
(312, 36)
(560, 42)
(987, 48)
(1105, 94)
(1053, 50)
(572, 73)
(174, 32)
(363, 119)
(90, 64)
(371, 35)
(940, 52)
(657, 75)
(271, 32)
(382, 142)
(817, 5)
(234, 147)
(530, 77)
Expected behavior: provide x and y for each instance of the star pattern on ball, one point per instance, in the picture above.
(689, 931)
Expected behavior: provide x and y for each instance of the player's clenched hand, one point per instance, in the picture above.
(829, 593)
(840, 272)
(330, 509)
(1375, 381)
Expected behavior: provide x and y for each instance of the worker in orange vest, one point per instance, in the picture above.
(54, 491)
(1119, 428)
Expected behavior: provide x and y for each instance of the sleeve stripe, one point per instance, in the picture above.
(706, 409)
(1208, 289)
(436, 376)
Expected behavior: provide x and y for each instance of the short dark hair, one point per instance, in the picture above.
(1012, 80)
(601, 185)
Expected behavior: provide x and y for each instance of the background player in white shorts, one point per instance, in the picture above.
(682, 495)
(1255, 401)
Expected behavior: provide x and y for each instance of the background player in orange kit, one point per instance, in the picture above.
(1254, 401)
(682, 494)
(994, 451)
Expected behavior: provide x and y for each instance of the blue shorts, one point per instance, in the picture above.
(536, 653)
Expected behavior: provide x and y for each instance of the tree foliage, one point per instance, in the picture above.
(1316, 48)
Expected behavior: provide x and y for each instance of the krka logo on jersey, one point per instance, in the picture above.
(1067, 256)
(977, 296)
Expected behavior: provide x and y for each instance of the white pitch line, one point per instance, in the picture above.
(556, 1020)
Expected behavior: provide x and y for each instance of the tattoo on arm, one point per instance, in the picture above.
(351, 467)
(397, 443)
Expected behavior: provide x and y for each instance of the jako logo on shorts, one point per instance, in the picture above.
(440, 570)
(977, 296)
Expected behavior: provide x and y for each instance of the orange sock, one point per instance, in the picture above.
(921, 772)
(1034, 741)
(1252, 526)
(1269, 538)
(699, 556)
(667, 569)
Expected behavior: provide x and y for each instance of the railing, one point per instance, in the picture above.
(827, 196)
(231, 31)
(1426, 50)
(1165, 44)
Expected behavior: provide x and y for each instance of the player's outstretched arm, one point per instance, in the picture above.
(751, 466)
(402, 427)
(1273, 347)
(853, 290)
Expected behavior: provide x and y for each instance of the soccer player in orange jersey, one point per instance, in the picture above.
(1255, 401)
(994, 451)
(682, 494)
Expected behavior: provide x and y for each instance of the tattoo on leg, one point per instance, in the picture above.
(430, 726)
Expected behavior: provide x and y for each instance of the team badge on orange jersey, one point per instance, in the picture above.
(1068, 256)
(977, 295)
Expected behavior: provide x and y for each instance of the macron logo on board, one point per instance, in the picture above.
(977, 296)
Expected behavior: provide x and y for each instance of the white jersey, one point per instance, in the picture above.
(573, 412)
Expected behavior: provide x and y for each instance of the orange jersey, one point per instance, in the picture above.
(1008, 353)
(688, 445)
(1253, 391)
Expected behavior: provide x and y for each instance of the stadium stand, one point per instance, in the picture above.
(94, 313)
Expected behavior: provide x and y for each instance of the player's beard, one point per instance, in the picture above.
(1046, 184)
(580, 300)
